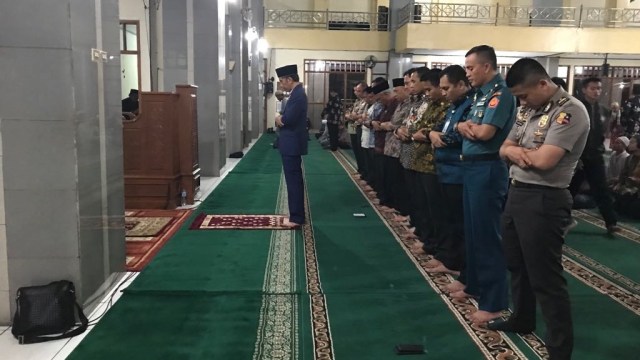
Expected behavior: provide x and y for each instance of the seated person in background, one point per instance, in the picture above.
(617, 159)
(614, 127)
(627, 191)
(130, 105)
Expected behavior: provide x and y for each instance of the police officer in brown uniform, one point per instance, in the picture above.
(543, 148)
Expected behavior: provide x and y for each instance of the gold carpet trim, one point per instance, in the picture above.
(320, 325)
(591, 263)
(492, 344)
(600, 284)
(277, 337)
(624, 232)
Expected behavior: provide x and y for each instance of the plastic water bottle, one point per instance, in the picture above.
(183, 198)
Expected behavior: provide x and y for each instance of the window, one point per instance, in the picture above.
(129, 56)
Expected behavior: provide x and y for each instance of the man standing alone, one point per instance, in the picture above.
(592, 157)
(293, 141)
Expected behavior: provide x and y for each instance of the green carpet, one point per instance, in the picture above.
(243, 294)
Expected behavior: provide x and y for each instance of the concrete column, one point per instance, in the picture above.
(398, 64)
(62, 182)
(234, 83)
(255, 85)
(175, 49)
(206, 74)
(551, 64)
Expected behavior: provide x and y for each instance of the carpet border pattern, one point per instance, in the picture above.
(320, 325)
(491, 343)
(624, 232)
(277, 337)
(167, 233)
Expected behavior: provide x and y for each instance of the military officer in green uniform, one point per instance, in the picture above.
(543, 148)
(485, 183)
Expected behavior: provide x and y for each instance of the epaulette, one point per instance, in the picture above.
(563, 101)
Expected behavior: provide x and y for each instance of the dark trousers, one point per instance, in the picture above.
(292, 166)
(380, 189)
(356, 145)
(334, 131)
(532, 225)
(394, 184)
(451, 250)
(593, 171)
(484, 194)
(433, 211)
(418, 203)
(372, 175)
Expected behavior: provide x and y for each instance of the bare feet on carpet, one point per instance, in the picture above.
(291, 225)
(433, 263)
(441, 269)
(455, 286)
(481, 316)
(460, 295)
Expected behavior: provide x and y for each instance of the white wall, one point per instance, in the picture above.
(134, 10)
(281, 57)
(290, 4)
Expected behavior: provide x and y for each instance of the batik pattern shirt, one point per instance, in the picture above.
(392, 143)
(407, 150)
(423, 160)
(381, 135)
(359, 107)
(333, 111)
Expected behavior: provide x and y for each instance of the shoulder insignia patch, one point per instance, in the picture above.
(493, 103)
(563, 101)
(563, 118)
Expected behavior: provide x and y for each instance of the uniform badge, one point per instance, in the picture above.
(543, 121)
(563, 101)
(493, 103)
(563, 118)
(548, 107)
(480, 113)
(538, 137)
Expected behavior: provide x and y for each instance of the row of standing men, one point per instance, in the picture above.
(442, 149)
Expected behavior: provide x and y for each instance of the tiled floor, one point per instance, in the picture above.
(60, 349)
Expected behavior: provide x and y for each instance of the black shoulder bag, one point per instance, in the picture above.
(47, 312)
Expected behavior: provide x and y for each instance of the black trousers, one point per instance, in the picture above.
(334, 131)
(593, 171)
(395, 185)
(532, 232)
(356, 145)
(380, 170)
(292, 166)
(433, 212)
(451, 251)
(418, 203)
(372, 175)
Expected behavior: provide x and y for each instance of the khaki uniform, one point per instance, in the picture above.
(537, 211)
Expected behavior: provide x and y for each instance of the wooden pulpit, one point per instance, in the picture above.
(161, 150)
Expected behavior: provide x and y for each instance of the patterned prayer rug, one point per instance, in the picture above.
(240, 222)
(147, 231)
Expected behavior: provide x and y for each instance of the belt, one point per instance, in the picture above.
(480, 157)
(519, 184)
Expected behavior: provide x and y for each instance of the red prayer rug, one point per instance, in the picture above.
(241, 222)
(147, 231)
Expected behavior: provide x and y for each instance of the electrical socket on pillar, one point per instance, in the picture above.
(98, 55)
